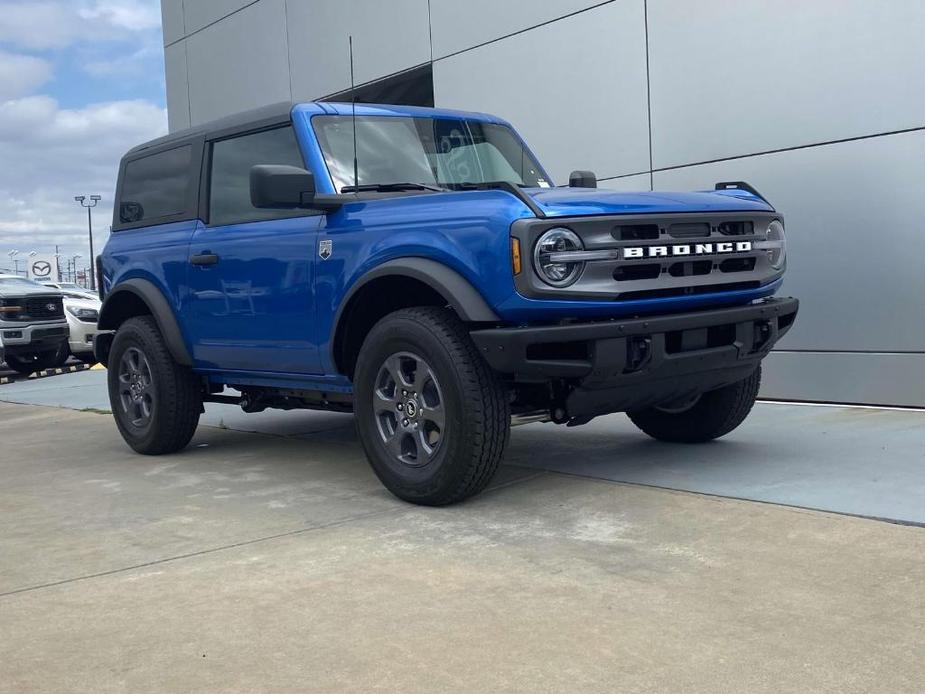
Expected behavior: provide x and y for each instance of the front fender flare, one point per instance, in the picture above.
(456, 289)
(112, 314)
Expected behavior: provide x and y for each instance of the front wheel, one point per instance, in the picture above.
(155, 401)
(710, 416)
(432, 417)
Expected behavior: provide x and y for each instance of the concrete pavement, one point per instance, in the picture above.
(277, 563)
(863, 461)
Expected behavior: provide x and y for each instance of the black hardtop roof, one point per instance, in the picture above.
(278, 112)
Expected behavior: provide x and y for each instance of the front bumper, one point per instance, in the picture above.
(619, 365)
(82, 335)
(32, 337)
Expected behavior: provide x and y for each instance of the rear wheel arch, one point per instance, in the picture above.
(398, 284)
(140, 297)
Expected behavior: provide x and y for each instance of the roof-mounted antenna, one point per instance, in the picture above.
(353, 108)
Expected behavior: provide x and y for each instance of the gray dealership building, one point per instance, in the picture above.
(820, 105)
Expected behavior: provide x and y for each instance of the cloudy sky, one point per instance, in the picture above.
(81, 81)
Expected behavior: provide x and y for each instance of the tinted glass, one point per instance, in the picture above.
(435, 151)
(155, 186)
(230, 192)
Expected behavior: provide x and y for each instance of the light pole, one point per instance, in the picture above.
(74, 259)
(82, 199)
(13, 260)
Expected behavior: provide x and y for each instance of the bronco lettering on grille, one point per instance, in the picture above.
(687, 249)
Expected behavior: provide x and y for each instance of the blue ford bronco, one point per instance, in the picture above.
(419, 268)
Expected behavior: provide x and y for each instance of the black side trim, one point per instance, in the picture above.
(111, 315)
(507, 187)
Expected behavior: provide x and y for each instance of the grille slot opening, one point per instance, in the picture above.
(678, 341)
(693, 230)
(648, 271)
(737, 265)
(736, 228)
(691, 268)
(784, 322)
(558, 351)
(635, 232)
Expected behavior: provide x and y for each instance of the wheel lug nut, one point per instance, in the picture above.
(404, 422)
(400, 407)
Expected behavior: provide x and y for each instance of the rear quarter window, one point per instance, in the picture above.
(155, 186)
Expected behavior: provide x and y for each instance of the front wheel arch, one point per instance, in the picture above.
(140, 297)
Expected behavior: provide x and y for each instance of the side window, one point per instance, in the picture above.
(155, 186)
(232, 159)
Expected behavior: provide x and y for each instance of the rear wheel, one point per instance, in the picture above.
(155, 401)
(705, 418)
(433, 418)
(30, 363)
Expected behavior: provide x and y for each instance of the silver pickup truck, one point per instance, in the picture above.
(33, 328)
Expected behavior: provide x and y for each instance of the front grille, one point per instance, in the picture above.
(697, 230)
(37, 308)
(49, 332)
(643, 256)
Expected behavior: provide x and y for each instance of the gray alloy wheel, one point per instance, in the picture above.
(408, 405)
(136, 387)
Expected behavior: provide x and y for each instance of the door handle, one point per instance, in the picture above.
(204, 259)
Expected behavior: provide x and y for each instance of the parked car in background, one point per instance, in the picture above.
(82, 311)
(70, 287)
(33, 326)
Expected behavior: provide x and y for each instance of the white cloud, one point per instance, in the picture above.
(55, 24)
(21, 74)
(52, 154)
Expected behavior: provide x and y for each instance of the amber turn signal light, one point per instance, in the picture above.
(515, 256)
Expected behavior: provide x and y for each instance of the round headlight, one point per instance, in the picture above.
(557, 271)
(776, 245)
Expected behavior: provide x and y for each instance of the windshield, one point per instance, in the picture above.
(430, 151)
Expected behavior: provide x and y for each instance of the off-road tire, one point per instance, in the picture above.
(177, 401)
(715, 414)
(61, 355)
(32, 363)
(475, 402)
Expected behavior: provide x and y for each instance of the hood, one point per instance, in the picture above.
(82, 303)
(571, 202)
(16, 288)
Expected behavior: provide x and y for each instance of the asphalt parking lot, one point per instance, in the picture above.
(784, 558)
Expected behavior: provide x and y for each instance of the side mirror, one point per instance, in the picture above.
(281, 187)
(582, 179)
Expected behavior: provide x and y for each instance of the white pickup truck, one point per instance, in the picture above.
(33, 327)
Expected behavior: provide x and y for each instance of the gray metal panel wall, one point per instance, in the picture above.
(240, 62)
(806, 100)
(538, 81)
(390, 37)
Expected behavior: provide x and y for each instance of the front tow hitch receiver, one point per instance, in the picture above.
(638, 352)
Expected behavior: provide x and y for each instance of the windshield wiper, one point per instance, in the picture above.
(391, 186)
